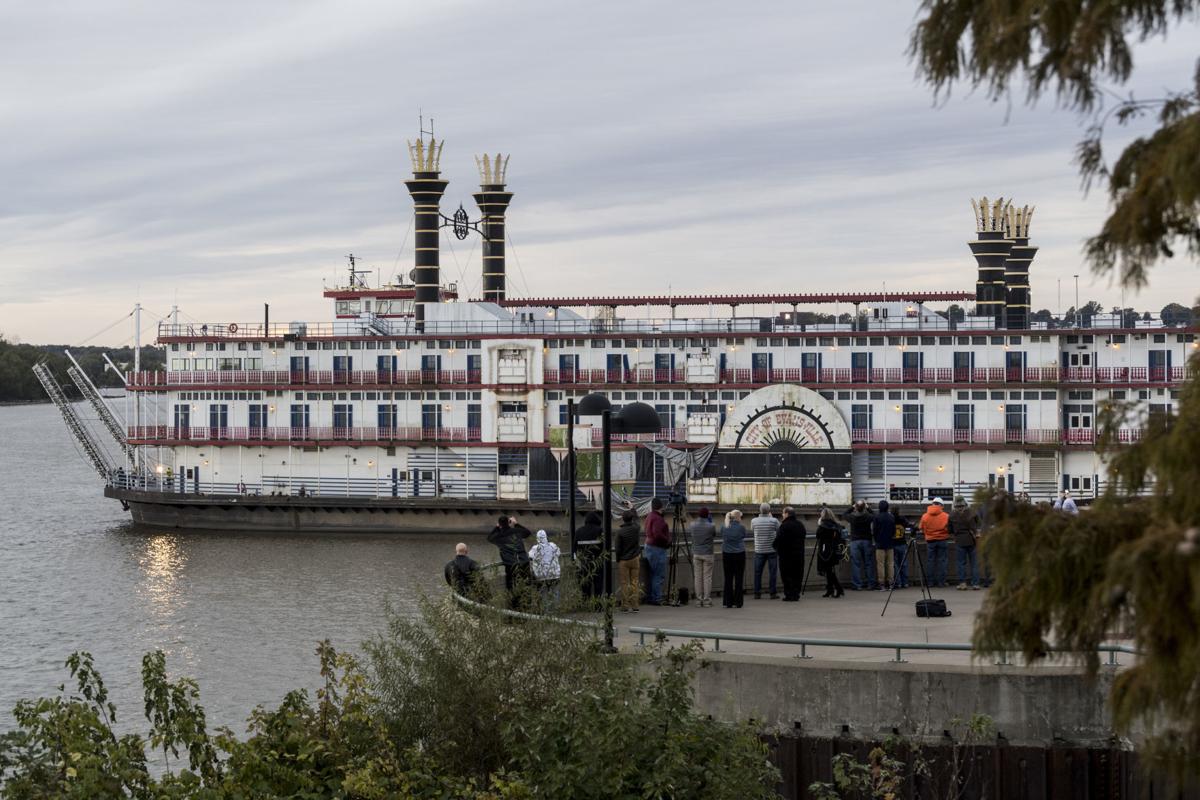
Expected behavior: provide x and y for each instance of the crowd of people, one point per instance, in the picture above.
(876, 541)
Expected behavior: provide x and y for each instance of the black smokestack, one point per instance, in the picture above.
(990, 248)
(426, 188)
(493, 203)
(1018, 300)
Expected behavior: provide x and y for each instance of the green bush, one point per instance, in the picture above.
(453, 705)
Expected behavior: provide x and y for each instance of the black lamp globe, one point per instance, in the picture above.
(636, 418)
(592, 405)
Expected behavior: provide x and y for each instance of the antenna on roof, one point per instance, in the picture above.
(421, 124)
(356, 280)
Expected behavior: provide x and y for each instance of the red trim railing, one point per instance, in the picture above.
(664, 435)
(302, 434)
(987, 436)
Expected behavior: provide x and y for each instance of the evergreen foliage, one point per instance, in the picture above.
(1128, 565)
(1071, 49)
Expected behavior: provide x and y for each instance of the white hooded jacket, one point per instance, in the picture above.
(544, 559)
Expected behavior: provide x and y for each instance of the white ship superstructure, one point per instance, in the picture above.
(414, 398)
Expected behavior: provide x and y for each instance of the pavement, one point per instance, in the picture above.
(856, 616)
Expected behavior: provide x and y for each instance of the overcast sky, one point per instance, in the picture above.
(225, 155)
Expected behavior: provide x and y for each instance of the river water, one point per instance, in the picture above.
(241, 612)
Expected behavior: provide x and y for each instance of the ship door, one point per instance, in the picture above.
(664, 367)
(810, 367)
(385, 366)
(964, 366)
(568, 368)
(760, 365)
(395, 481)
(183, 421)
(615, 363)
(1160, 365)
(860, 367)
(1014, 366)
(195, 473)
(430, 366)
(911, 364)
(341, 368)
(299, 369)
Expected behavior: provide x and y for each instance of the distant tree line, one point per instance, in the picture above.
(18, 383)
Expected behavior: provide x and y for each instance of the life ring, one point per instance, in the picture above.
(233, 327)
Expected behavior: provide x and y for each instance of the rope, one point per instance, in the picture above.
(400, 252)
(105, 330)
(518, 260)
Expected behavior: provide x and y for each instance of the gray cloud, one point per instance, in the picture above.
(230, 155)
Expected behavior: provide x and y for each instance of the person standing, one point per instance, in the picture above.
(935, 525)
(964, 523)
(733, 559)
(589, 552)
(862, 557)
(461, 571)
(764, 527)
(1066, 503)
(883, 531)
(657, 552)
(508, 536)
(789, 546)
(829, 553)
(702, 532)
(547, 570)
(629, 560)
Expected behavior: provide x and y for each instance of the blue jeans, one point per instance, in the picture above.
(656, 560)
(938, 552)
(966, 558)
(771, 559)
(862, 564)
(900, 554)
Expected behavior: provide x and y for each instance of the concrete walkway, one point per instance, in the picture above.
(855, 616)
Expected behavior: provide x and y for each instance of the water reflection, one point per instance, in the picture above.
(162, 562)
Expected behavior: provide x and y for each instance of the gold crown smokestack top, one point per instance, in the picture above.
(991, 248)
(493, 203)
(426, 188)
(1018, 300)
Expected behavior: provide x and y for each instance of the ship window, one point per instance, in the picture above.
(552, 344)
(810, 342)
(843, 395)
(1054, 395)
(928, 340)
(1014, 340)
(1143, 394)
(631, 342)
(794, 342)
(1032, 395)
(1089, 339)
(945, 340)
(175, 347)
(326, 345)
(826, 341)
(877, 395)
(964, 395)
(827, 395)
(997, 395)
(843, 341)
(912, 340)
(912, 395)
(979, 395)
(997, 340)
(311, 345)
(1119, 338)
(744, 395)
(777, 342)
(326, 395)
(893, 340)
(860, 395)
(598, 343)
(400, 345)
(478, 345)
(895, 395)
(677, 343)
(1072, 340)
(356, 345)
(430, 344)
(876, 341)
(356, 396)
(1014, 395)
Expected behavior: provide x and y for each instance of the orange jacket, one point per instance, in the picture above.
(935, 524)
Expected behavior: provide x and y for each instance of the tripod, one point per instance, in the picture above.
(925, 593)
(681, 542)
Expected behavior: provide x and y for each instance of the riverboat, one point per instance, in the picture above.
(418, 409)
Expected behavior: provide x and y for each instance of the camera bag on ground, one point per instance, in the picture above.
(932, 608)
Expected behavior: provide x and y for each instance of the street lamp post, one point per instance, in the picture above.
(571, 472)
(632, 418)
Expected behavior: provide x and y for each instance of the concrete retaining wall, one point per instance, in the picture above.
(1029, 705)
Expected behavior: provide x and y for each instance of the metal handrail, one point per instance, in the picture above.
(804, 642)
(510, 613)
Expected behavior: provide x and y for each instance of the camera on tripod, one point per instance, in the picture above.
(677, 498)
